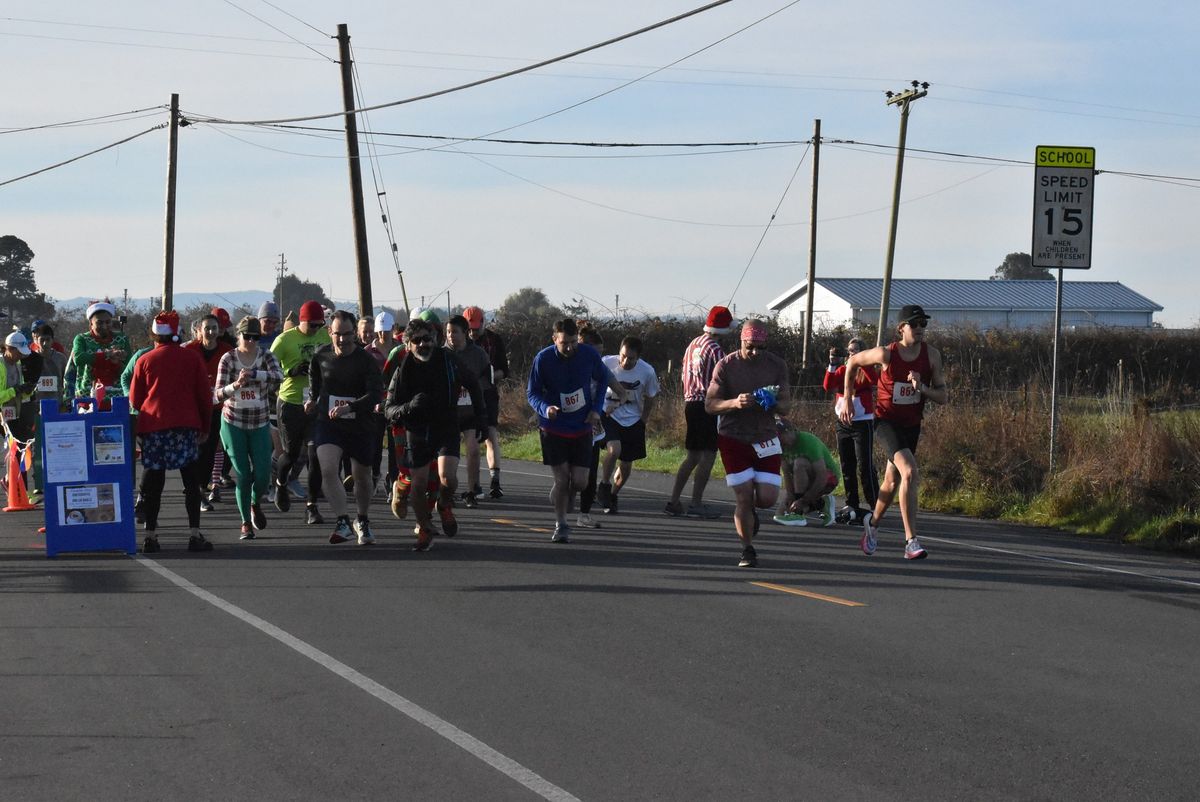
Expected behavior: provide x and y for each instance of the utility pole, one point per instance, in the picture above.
(903, 100)
(812, 246)
(280, 269)
(365, 306)
(168, 299)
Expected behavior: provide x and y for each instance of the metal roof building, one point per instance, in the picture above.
(988, 304)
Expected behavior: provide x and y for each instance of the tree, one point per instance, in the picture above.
(528, 303)
(296, 291)
(18, 287)
(1020, 266)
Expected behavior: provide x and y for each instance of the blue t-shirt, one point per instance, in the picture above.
(568, 385)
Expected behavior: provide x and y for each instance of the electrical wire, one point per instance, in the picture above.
(279, 30)
(102, 119)
(82, 156)
(297, 19)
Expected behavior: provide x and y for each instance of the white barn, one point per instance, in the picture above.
(989, 304)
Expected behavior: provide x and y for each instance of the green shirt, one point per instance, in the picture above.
(293, 347)
(810, 447)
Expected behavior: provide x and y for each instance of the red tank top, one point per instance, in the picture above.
(898, 400)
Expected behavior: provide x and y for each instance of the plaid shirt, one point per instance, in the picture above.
(247, 407)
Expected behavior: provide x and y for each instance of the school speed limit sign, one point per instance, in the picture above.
(1062, 207)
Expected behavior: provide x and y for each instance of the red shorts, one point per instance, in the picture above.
(742, 463)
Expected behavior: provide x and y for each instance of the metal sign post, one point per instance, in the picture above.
(1064, 178)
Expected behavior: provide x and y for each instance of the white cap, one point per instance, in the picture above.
(384, 321)
(17, 340)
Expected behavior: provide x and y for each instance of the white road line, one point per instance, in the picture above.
(477, 748)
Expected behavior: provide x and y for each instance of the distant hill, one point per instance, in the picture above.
(231, 300)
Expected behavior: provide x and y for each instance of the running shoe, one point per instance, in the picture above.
(296, 489)
(206, 505)
(139, 509)
(586, 521)
(828, 515)
(749, 558)
(227, 481)
(674, 509)
(913, 550)
(791, 519)
(845, 515)
(446, 511)
(312, 516)
(283, 497)
(702, 511)
(562, 533)
(469, 501)
(495, 491)
(256, 516)
(400, 499)
(271, 494)
(150, 545)
(247, 531)
(611, 507)
(342, 531)
(348, 484)
(214, 495)
(365, 537)
(198, 543)
(604, 495)
(425, 536)
(868, 542)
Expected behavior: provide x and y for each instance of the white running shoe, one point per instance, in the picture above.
(868, 542)
(586, 521)
(914, 551)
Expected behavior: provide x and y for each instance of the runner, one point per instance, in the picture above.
(16, 348)
(380, 346)
(911, 374)
(561, 391)
(54, 365)
(173, 397)
(139, 503)
(224, 324)
(268, 322)
(476, 360)
(211, 349)
(856, 441)
(423, 396)
(625, 425)
(589, 336)
(346, 390)
(749, 387)
(493, 344)
(699, 360)
(294, 348)
(245, 378)
(810, 474)
(98, 355)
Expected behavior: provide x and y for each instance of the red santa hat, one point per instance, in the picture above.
(166, 324)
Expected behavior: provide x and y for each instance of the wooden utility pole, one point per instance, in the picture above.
(168, 294)
(365, 305)
(903, 99)
(812, 246)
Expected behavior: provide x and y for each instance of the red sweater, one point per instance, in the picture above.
(171, 390)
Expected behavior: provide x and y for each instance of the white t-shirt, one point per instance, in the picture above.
(640, 383)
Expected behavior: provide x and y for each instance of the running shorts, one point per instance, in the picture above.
(574, 451)
(701, 427)
(632, 438)
(424, 444)
(894, 437)
(742, 463)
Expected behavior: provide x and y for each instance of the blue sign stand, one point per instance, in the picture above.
(87, 462)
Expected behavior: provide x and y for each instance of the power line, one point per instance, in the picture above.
(84, 120)
(82, 156)
(297, 19)
(278, 30)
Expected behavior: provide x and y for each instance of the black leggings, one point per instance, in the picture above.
(153, 480)
(855, 449)
(295, 430)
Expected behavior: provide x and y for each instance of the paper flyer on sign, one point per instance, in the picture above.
(88, 504)
(66, 452)
(108, 445)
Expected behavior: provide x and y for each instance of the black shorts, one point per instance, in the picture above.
(701, 427)
(491, 400)
(356, 443)
(894, 437)
(632, 439)
(424, 444)
(574, 451)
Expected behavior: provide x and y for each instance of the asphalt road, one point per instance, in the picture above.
(636, 662)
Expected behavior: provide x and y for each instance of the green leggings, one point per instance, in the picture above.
(250, 452)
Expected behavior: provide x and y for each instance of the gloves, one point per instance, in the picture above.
(766, 397)
(416, 406)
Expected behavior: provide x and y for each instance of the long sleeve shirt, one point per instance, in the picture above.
(569, 384)
(442, 380)
(864, 390)
(170, 390)
(248, 406)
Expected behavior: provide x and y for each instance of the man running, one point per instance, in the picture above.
(294, 349)
(346, 389)
(560, 391)
(911, 374)
(699, 360)
(477, 362)
(493, 344)
(625, 425)
(856, 441)
(423, 396)
(748, 389)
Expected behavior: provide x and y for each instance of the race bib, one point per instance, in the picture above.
(341, 401)
(464, 397)
(47, 384)
(10, 413)
(768, 448)
(905, 394)
(246, 398)
(572, 401)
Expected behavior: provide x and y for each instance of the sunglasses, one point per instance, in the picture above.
(917, 324)
(251, 337)
(421, 340)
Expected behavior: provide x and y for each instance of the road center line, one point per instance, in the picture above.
(506, 765)
(808, 594)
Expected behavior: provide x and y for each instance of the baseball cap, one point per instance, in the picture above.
(17, 340)
(312, 312)
(474, 316)
(249, 325)
(720, 321)
(912, 312)
(384, 321)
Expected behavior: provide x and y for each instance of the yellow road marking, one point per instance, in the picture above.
(508, 521)
(808, 594)
(540, 529)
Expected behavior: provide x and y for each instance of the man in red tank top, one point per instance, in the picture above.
(911, 374)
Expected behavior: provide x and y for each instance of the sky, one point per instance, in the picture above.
(666, 230)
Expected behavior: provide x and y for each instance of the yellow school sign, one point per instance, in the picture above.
(1064, 178)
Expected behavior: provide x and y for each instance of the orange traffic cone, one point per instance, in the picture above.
(18, 499)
